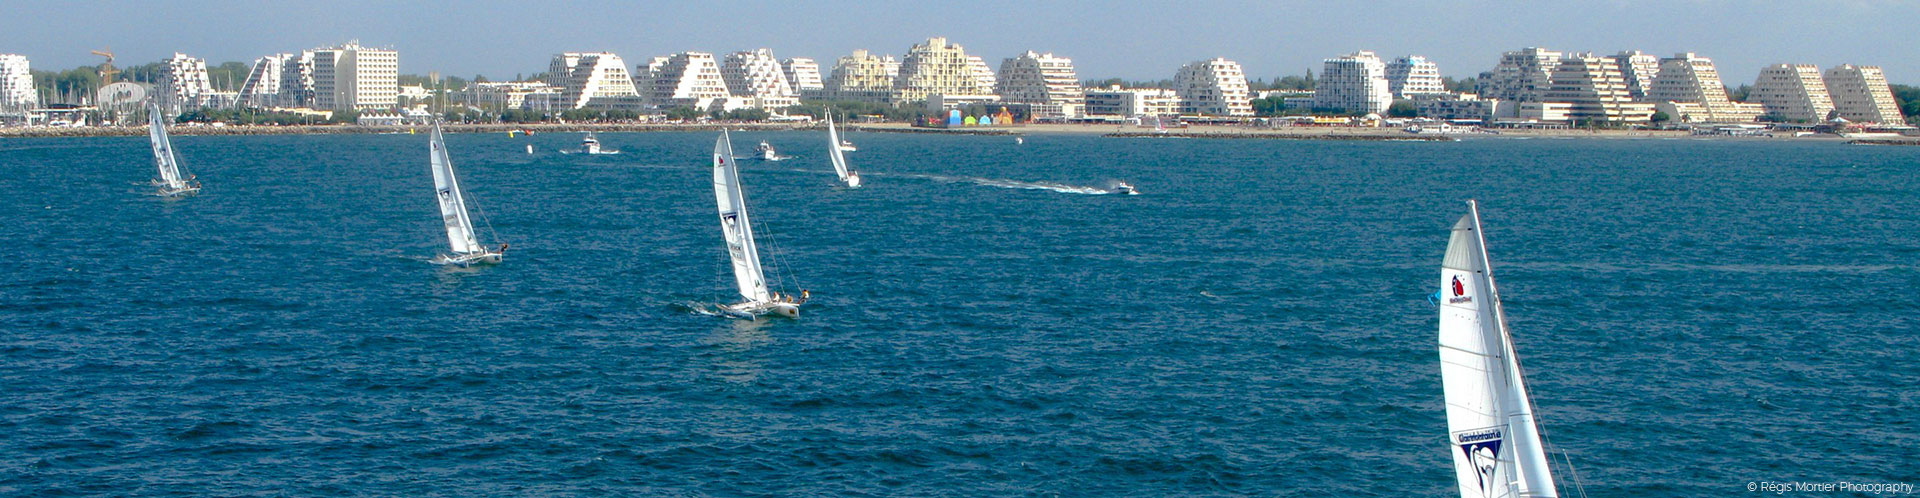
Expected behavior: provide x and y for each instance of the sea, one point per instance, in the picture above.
(987, 318)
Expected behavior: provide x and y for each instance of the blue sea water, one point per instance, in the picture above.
(1693, 316)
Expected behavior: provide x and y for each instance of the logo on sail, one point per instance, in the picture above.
(1459, 292)
(1482, 450)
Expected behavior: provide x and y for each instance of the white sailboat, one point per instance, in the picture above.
(747, 274)
(467, 250)
(169, 182)
(834, 150)
(1495, 441)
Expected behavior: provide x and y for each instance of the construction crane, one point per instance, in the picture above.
(106, 68)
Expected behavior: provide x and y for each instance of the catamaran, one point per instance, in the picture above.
(747, 274)
(467, 250)
(169, 184)
(1495, 441)
(834, 151)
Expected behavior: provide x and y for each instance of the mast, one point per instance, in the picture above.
(453, 205)
(1535, 478)
(839, 157)
(735, 225)
(162, 148)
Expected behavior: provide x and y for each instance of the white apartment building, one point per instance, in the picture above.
(686, 79)
(983, 77)
(1521, 76)
(1132, 102)
(1355, 82)
(16, 83)
(1861, 95)
(1455, 106)
(757, 76)
(1047, 83)
(262, 88)
(182, 82)
(861, 77)
(533, 95)
(586, 77)
(1215, 87)
(936, 67)
(1792, 92)
(1688, 88)
(803, 74)
(1413, 75)
(1596, 91)
(1638, 69)
(352, 77)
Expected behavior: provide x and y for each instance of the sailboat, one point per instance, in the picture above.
(1495, 440)
(170, 183)
(834, 151)
(467, 250)
(747, 275)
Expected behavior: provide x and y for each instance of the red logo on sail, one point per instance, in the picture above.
(1459, 292)
(1457, 288)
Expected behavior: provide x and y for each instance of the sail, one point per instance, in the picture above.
(735, 225)
(847, 175)
(453, 205)
(1493, 437)
(163, 149)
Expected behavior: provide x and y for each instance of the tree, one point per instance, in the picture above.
(1661, 117)
(1908, 99)
(683, 113)
(1402, 108)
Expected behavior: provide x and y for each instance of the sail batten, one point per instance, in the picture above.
(453, 204)
(735, 225)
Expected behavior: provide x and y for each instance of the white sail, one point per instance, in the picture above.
(1494, 440)
(847, 175)
(453, 205)
(163, 149)
(734, 223)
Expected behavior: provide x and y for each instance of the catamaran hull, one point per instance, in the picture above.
(182, 192)
(467, 260)
(754, 310)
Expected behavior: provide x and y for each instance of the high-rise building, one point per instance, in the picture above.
(1596, 90)
(532, 95)
(1688, 88)
(584, 77)
(1638, 69)
(1132, 102)
(183, 80)
(861, 77)
(803, 74)
(279, 80)
(758, 77)
(1355, 82)
(1215, 87)
(16, 83)
(1413, 75)
(1861, 95)
(353, 77)
(1792, 92)
(1048, 83)
(1521, 76)
(983, 78)
(686, 79)
(936, 67)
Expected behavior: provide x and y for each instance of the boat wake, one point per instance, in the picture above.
(1022, 185)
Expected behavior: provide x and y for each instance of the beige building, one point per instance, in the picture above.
(1215, 87)
(1638, 69)
(1455, 106)
(759, 79)
(1688, 88)
(1047, 83)
(1596, 91)
(860, 77)
(352, 77)
(937, 67)
(803, 74)
(584, 77)
(1521, 76)
(183, 81)
(1413, 75)
(1355, 83)
(16, 83)
(686, 79)
(1861, 95)
(1792, 92)
(1132, 102)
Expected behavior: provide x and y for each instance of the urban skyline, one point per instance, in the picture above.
(1269, 41)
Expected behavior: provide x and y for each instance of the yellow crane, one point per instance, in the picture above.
(106, 68)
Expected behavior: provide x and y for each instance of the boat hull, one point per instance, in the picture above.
(755, 309)
(467, 260)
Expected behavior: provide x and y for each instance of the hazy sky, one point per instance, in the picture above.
(1122, 38)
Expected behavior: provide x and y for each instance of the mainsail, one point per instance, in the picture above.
(1494, 439)
(163, 149)
(847, 175)
(453, 205)
(734, 223)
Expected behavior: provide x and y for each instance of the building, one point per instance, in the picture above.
(1132, 102)
(758, 78)
(296, 81)
(1455, 106)
(1047, 83)
(352, 77)
(860, 77)
(504, 95)
(983, 77)
(262, 88)
(936, 67)
(1596, 91)
(686, 79)
(16, 84)
(1638, 69)
(1521, 76)
(586, 77)
(1792, 92)
(1861, 95)
(1355, 83)
(1689, 90)
(1215, 87)
(1413, 75)
(182, 82)
(803, 74)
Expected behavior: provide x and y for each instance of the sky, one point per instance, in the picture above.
(1131, 39)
